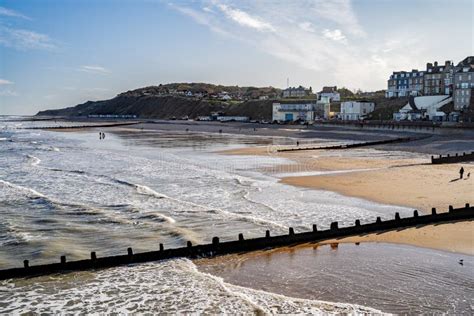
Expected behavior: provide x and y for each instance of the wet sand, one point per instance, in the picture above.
(393, 278)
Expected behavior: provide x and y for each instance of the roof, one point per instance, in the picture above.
(469, 60)
(329, 89)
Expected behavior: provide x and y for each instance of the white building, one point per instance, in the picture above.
(330, 93)
(426, 107)
(290, 112)
(356, 110)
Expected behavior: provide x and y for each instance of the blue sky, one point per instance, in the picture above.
(60, 53)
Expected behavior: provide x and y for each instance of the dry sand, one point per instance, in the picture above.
(406, 181)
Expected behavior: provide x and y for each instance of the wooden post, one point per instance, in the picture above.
(315, 228)
(357, 222)
(130, 251)
(26, 264)
(162, 247)
(397, 216)
(433, 211)
(241, 237)
(93, 256)
(267, 234)
(415, 213)
(451, 208)
(291, 232)
(63, 259)
(215, 241)
(189, 244)
(379, 220)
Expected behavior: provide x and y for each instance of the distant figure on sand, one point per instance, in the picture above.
(297, 143)
(468, 175)
(461, 172)
(100, 135)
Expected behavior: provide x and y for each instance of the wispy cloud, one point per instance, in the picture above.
(8, 93)
(245, 19)
(339, 12)
(94, 69)
(5, 82)
(335, 35)
(12, 13)
(24, 39)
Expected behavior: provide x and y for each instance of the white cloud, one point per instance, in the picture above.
(307, 26)
(94, 69)
(339, 12)
(24, 39)
(244, 19)
(335, 35)
(12, 13)
(5, 82)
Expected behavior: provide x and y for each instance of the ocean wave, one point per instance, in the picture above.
(34, 160)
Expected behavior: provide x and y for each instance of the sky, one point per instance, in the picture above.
(59, 53)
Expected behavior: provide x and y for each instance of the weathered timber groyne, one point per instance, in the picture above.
(354, 145)
(241, 244)
(453, 158)
(83, 126)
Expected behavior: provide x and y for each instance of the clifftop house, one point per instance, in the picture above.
(438, 78)
(405, 83)
(329, 93)
(464, 84)
(299, 92)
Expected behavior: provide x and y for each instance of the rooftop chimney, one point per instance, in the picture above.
(447, 63)
(436, 64)
(429, 65)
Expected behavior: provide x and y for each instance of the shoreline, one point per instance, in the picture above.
(404, 181)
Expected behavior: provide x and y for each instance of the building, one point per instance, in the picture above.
(438, 78)
(464, 84)
(405, 83)
(424, 108)
(290, 112)
(356, 110)
(299, 92)
(330, 93)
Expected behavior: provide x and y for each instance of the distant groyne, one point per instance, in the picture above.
(241, 244)
(355, 145)
(82, 126)
(464, 157)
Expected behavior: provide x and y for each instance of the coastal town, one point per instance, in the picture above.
(440, 94)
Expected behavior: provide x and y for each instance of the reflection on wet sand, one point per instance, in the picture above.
(391, 278)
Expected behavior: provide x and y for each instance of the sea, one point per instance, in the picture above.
(70, 193)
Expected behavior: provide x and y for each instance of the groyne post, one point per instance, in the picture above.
(397, 216)
(63, 259)
(334, 226)
(26, 264)
(93, 256)
(241, 237)
(433, 211)
(267, 234)
(357, 222)
(215, 241)
(162, 247)
(129, 251)
(291, 231)
(315, 228)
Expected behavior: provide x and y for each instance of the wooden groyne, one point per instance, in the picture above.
(453, 158)
(354, 145)
(217, 248)
(83, 126)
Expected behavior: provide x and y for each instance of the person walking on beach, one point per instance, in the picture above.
(461, 172)
(297, 143)
(103, 135)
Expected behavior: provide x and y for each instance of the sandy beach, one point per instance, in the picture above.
(409, 181)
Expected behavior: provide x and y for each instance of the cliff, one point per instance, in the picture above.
(158, 102)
